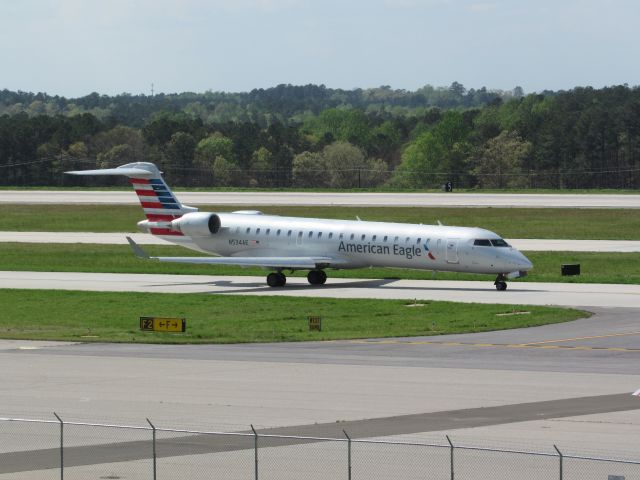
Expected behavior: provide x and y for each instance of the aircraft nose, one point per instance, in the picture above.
(523, 262)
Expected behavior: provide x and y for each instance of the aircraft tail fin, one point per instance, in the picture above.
(159, 203)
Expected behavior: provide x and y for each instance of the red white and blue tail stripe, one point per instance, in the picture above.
(158, 201)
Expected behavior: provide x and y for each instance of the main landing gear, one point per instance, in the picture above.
(317, 277)
(501, 282)
(276, 279)
(314, 277)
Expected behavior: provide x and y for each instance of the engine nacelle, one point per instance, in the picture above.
(197, 224)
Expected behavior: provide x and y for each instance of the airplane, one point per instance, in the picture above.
(276, 243)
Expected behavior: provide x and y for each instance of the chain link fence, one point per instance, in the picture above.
(56, 449)
(49, 172)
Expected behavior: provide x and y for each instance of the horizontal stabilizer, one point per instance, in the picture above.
(129, 172)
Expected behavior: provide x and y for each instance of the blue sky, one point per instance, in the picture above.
(74, 47)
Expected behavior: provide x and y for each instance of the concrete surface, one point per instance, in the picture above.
(518, 293)
(336, 198)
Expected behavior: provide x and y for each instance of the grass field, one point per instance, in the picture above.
(578, 224)
(114, 317)
(596, 267)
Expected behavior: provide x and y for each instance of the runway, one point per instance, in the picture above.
(525, 244)
(518, 293)
(490, 396)
(378, 199)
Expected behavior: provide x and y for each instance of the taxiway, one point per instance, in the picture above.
(378, 199)
(519, 293)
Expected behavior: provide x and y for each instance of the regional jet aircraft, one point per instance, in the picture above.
(251, 238)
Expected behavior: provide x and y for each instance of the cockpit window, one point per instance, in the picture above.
(498, 242)
(482, 243)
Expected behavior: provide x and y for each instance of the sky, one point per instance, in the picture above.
(75, 47)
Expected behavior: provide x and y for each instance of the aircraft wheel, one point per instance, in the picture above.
(316, 277)
(501, 286)
(276, 279)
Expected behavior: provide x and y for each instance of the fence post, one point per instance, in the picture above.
(153, 429)
(255, 449)
(61, 446)
(452, 447)
(348, 454)
(561, 461)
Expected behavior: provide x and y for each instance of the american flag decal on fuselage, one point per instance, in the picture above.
(158, 203)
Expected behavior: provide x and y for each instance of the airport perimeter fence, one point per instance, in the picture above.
(618, 175)
(56, 449)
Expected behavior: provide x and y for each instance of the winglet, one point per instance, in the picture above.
(137, 250)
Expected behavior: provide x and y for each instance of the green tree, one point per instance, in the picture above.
(310, 170)
(349, 168)
(261, 168)
(498, 164)
(225, 172)
(180, 152)
(214, 146)
(348, 125)
(129, 142)
(437, 155)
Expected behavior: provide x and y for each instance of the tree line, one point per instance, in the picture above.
(311, 136)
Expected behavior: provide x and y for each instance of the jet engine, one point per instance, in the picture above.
(197, 224)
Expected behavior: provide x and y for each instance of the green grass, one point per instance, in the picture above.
(113, 317)
(596, 267)
(586, 224)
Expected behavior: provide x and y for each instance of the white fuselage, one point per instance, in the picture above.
(359, 243)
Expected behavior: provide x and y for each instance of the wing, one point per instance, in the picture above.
(268, 262)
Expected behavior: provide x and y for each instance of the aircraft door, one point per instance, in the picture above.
(452, 250)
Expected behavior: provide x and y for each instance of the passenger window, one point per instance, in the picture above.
(373, 239)
(310, 234)
(418, 241)
(385, 238)
(330, 235)
(396, 240)
(278, 232)
(268, 231)
(407, 240)
(319, 234)
(363, 237)
(289, 233)
(299, 234)
(341, 236)
(248, 230)
(352, 236)
(257, 231)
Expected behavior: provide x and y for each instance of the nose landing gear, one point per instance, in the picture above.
(501, 283)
